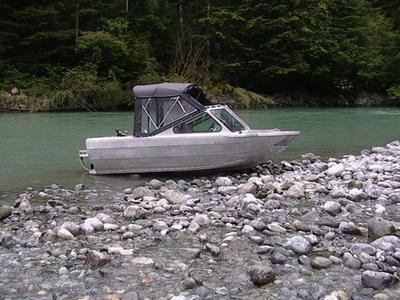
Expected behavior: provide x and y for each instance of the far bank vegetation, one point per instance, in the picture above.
(67, 55)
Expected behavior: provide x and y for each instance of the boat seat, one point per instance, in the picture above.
(185, 128)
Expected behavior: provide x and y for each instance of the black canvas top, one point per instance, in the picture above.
(154, 102)
(166, 89)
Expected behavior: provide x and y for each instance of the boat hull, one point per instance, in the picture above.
(180, 153)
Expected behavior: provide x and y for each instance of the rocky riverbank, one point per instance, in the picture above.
(305, 229)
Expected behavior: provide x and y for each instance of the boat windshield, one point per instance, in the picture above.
(201, 123)
(228, 120)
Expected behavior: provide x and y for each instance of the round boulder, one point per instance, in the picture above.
(262, 273)
(299, 244)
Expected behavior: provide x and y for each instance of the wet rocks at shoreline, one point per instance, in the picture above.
(304, 229)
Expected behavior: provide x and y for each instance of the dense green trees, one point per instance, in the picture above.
(88, 51)
(328, 45)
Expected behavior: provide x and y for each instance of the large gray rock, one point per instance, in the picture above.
(332, 207)
(320, 262)
(249, 187)
(214, 249)
(378, 227)
(194, 227)
(5, 212)
(155, 184)
(295, 191)
(71, 227)
(96, 259)
(357, 195)
(275, 227)
(349, 228)
(328, 221)
(350, 261)
(387, 239)
(48, 235)
(227, 190)
(299, 244)
(258, 225)
(223, 181)
(262, 273)
(336, 170)
(176, 197)
(272, 204)
(95, 223)
(338, 192)
(359, 248)
(160, 225)
(141, 192)
(134, 212)
(278, 258)
(105, 218)
(202, 220)
(86, 229)
(65, 234)
(377, 280)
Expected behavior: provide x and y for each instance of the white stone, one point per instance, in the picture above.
(108, 226)
(247, 229)
(95, 223)
(176, 197)
(65, 234)
(120, 251)
(71, 227)
(201, 219)
(223, 181)
(333, 207)
(336, 170)
(299, 245)
(295, 191)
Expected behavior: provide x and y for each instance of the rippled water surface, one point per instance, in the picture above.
(38, 149)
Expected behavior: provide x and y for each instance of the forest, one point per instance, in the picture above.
(59, 54)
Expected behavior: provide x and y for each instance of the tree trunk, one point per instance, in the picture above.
(77, 26)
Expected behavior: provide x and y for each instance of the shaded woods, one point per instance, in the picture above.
(59, 54)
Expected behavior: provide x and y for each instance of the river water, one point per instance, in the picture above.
(39, 149)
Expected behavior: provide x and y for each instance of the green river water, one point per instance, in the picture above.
(38, 149)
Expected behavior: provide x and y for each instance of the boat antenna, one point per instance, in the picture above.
(91, 109)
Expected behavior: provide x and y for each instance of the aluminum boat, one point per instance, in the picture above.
(177, 129)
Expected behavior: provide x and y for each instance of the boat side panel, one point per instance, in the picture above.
(162, 154)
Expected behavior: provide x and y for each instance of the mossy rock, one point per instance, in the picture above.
(250, 99)
(239, 97)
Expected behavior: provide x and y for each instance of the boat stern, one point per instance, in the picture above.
(84, 155)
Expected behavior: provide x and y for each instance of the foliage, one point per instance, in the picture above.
(242, 98)
(81, 87)
(250, 99)
(67, 53)
(394, 93)
(330, 45)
